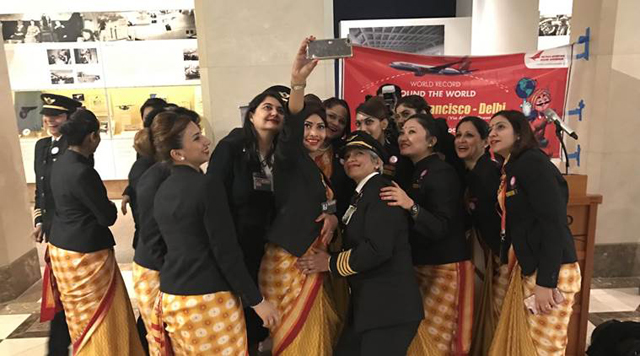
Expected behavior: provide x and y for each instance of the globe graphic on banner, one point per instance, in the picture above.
(525, 87)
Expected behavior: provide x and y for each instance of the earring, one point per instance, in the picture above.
(182, 158)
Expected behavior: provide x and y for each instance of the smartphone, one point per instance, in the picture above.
(330, 49)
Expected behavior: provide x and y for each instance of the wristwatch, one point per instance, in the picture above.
(414, 210)
(298, 86)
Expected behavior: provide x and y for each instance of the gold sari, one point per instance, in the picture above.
(447, 293)
(146, 285)
(96, 304)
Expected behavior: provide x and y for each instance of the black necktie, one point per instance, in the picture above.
(355, 198)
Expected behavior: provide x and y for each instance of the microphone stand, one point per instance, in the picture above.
(564, 147)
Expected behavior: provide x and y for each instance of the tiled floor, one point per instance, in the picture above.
(22, 334)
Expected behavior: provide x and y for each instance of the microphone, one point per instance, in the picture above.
(552, 116)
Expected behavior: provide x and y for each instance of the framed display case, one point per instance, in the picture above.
(111, 62)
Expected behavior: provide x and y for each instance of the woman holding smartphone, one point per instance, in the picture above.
(542, 258)
(305, 218)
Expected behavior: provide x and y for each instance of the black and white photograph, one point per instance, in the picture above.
(426, 40)
(61, 77)
(88, 76)
(99, 26)
(86, 55)
(558, 25)
(191, 71)
(190, 54)
(59, 56)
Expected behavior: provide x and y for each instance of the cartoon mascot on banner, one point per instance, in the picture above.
(534, 103)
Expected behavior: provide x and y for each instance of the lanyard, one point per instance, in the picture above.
(502, 196)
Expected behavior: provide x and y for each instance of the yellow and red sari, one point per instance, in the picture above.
(520, 332)
(146, 285)
(309, 321)
(337, 287)
(95, 300)
(494, 288)
(447, 294)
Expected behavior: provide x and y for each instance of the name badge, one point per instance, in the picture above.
(512, 193)
(262, 183)
(416, 186)
(347, 215)
(329, 207)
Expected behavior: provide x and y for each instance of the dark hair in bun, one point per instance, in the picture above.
(416, 103)
(155, 103)
(168, 131)
(80, 124)
(143, 141)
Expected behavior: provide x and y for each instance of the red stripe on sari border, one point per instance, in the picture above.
(458, 346)
(160, 335)
(313, 294)
(50, 304)
(101, 312)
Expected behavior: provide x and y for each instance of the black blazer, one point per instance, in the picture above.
(45, 207)
(483, 183)
(252, 210)
(438, 232)
(83, 210)
(150, 250)
(137, 170)
(397, 167)
(377, 262)
(299, 191)
(203, 255)
(536, 203)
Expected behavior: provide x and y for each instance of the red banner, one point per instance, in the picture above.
(456, 87)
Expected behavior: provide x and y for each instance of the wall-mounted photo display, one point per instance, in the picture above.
(61, 76)
(191, 70)
(90, 76)
(86, 55)
(99, 26)
(190, 54)
(59, 56)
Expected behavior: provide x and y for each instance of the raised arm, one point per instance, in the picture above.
(302, 68)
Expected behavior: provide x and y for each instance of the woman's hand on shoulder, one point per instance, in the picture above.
(395, 196)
